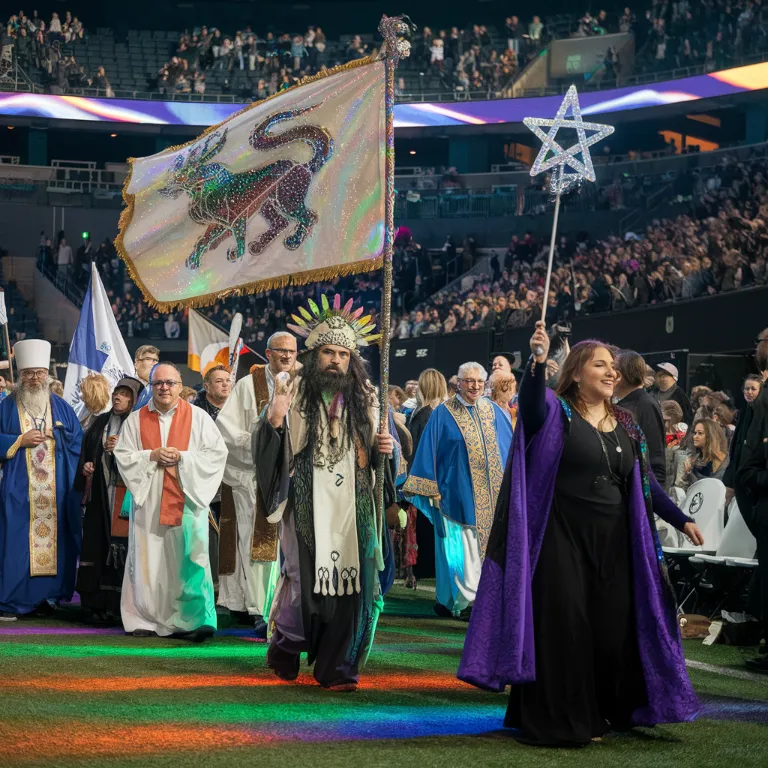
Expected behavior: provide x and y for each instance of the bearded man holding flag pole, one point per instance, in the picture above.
(297, 188)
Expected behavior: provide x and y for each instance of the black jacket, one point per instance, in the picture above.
(647, 413)
(752, 472)
(417, 424)
(680, 398)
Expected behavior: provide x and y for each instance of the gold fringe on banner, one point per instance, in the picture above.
(259, 286)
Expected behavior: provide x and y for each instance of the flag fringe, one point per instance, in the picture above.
(281, 281)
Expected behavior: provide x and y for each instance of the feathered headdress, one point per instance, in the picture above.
(334, 324)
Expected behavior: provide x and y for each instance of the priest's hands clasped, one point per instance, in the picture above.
(165, 457)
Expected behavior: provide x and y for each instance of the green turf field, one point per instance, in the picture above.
(72, 695)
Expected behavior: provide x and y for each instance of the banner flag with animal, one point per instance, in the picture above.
(288, 190)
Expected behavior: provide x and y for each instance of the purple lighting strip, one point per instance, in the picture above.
(753, 77)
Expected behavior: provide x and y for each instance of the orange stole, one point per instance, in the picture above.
(172, 502)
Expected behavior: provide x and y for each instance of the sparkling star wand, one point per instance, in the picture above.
(581, 169)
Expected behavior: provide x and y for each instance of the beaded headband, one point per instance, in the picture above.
(332, 324)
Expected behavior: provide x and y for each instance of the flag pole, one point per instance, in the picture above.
(8, 350)
(4, 314)
(391, 29)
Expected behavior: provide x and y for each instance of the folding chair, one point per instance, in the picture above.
(705, 503)
(718, 574)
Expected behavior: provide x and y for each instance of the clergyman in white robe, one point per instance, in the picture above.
(246, 589)
(168, 587)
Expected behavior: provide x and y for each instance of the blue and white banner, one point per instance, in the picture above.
(97, 346)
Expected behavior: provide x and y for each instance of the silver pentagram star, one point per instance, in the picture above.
(562, 158)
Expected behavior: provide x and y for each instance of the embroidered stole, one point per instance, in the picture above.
(43, 520)
(260, 386)
(172, 501)
(485, 466)
(264, 539)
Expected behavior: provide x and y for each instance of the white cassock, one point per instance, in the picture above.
(168, 585)
(245, 589)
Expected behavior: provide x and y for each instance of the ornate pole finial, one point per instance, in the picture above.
(393, 29)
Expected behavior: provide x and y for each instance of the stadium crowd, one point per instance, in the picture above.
(720, 246)
(477, 60)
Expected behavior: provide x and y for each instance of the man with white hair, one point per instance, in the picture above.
(247, 542)
(171, 458)
(40, 527)
(455, 480)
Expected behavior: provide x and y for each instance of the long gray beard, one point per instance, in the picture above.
(35, 402)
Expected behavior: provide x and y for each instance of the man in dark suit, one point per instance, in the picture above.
(632, 396)
(752, 484)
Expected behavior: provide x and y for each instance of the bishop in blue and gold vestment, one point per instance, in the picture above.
(40, 527)
(455, 481)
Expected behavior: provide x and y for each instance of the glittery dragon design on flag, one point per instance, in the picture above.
(224, 201)
(292, 189)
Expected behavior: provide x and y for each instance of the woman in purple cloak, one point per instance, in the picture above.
(574, 608)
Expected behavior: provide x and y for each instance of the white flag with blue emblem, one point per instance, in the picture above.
(97, 346)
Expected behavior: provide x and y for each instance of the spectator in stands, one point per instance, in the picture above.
(54, 28)
(172, 327)
(724, 416)
(709, 457)
(535, 30)
(674, 434)
(188, 393)
(101, 81)
(24, 48)
(666, 388)
(751, 388)
(64, 260)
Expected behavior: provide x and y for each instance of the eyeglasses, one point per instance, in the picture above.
(34, 374)
(170, 383)
(290, 352)
(473, 381)
(147, 360)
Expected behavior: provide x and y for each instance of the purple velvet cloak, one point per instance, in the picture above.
(499, 647)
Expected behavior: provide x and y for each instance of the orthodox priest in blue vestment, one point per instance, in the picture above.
(455, 481)
(40, 526)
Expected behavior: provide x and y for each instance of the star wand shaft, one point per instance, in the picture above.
(550, 261)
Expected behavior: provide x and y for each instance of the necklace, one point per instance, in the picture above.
(611, 473)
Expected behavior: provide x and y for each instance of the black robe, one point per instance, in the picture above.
(102, 559)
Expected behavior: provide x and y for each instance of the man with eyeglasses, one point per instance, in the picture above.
(145, 359)
(171, 458)
(40, 528)
(247, 542)
(455, 480)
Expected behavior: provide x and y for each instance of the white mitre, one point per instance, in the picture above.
(32, 353)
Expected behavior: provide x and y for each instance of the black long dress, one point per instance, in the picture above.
(588, 672)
